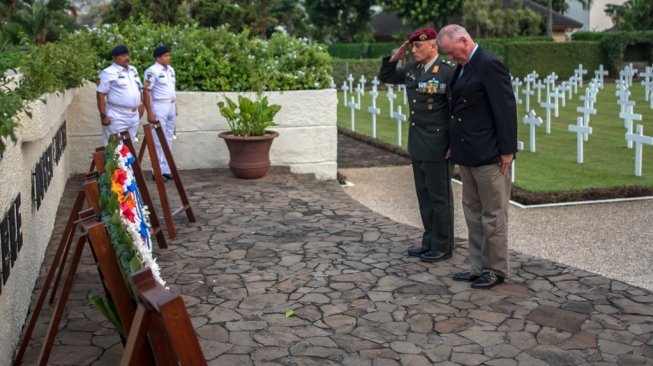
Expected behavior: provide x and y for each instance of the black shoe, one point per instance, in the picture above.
(417, 251)
(167, 177)
(434, 256)
(487, 280)
(465, 276)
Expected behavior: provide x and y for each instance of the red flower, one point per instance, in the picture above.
(124, 151)
(127, 212)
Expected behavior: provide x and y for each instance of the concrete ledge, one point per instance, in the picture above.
(307, 127)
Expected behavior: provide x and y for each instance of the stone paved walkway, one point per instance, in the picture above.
(287, 241)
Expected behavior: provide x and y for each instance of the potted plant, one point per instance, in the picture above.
(248, 140)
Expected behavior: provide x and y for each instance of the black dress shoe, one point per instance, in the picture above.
(417, 251)
(487, 280)
(434, 256)
(465, 276)
(167, 177)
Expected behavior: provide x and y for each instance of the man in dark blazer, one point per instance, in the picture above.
(427, 78)
(483, 143)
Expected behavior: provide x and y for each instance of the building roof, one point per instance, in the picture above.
(561, 22)
(387, 27)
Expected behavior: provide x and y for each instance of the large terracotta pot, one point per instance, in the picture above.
(249, 157)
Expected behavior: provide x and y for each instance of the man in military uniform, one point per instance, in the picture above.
(159, 97)
(119, 99)
(427, 78)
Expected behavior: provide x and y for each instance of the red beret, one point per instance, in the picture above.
(423, 34)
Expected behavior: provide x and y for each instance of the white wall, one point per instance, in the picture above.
(307, 129)
(34, 137)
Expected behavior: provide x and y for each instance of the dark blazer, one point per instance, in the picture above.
(428, 134)
(483, 112)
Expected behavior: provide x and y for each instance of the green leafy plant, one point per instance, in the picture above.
(248, 117)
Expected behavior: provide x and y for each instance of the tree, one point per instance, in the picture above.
(559, 6)
(632, 15)
(159, 11)
(340, 20)
(486, 18)
(418, 13)
(261, 17)
(38, 21)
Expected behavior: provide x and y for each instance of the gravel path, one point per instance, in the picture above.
(611, 239)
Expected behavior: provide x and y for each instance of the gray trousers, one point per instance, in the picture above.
(486, 193)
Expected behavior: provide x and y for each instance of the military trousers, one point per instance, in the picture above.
(435, 198)
(166, 114)
(486, 194)
(122, 119)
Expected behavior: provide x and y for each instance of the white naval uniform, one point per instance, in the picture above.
(160, 81)
(122, 87)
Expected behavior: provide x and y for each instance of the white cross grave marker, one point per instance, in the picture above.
(520, 147)
(352, 106)
(581, 130)
(628, 116)
(344, 89)
(600, 73)
(374, 110)
(350, 79)
(399, 117)
(548, 106)
(515, 86)
(532, 120)
(539, 86)
(639, 140)
(391, 98)
(586, 110)
(527, 94)
(629, 72)
(622, 97)
(556, 94)
(580, 72)
(359, 92)
(362, 82)
(647, 83)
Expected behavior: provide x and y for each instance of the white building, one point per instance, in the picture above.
(594, 17)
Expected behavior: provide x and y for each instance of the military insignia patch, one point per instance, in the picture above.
(98, 81)
(435, 69)
(147, 83)
(148, 76)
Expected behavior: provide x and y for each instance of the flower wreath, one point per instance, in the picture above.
(124, 214)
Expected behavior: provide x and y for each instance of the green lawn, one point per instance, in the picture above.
(553, 167)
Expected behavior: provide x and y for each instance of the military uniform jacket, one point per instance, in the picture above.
(428, 136)
(161, 82)
(121, 85)
(483, 112)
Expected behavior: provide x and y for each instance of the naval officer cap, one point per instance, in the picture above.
(161, 50)
(119, 50)
(423, 34)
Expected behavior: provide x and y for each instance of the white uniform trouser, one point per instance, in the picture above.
(122, 119)
(165, 113)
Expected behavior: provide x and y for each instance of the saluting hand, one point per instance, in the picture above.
(400, 52)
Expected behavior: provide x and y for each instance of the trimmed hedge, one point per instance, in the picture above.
(620, 47)
(362, 50)
(342, 68)
(381, 49)
(561, 58)
(497, 46)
